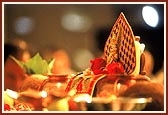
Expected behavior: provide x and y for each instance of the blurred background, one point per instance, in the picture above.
(82, 29)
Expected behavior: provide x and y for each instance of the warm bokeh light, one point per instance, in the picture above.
(12, 93)
(43, 94)
(58, 84)
(83, 97)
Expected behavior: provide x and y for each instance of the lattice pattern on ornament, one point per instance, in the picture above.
(120, 45)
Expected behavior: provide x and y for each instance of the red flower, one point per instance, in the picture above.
(7, 107)
(98, 65)
(115, 68)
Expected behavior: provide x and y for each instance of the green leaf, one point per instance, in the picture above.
(37, 65)
(51, 63)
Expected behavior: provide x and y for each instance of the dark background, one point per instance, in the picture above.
(48, 31)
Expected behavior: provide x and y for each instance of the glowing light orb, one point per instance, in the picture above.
(150, 16)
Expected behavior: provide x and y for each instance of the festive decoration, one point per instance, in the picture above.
(17, 107)
(119, 66)
(107, 77)
(99, 67)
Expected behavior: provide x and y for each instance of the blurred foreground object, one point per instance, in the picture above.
(148, 89)
(13, 73)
